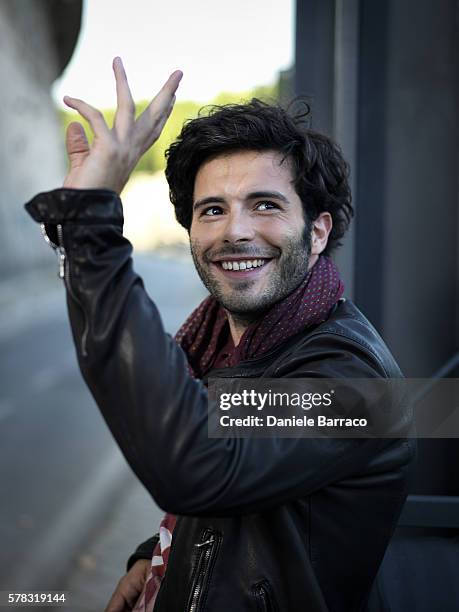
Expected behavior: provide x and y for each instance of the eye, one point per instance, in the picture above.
(267, 202)
(206, 210)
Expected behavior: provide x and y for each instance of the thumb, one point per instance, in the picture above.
(76, 144)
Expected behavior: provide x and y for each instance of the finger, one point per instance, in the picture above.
(148, 131)
(162, 101)
(92, 115)
(167, 91)
(165, 95)
(171, 107)
(125, 112)
(117, 603)
(152, 120)
(76, 144)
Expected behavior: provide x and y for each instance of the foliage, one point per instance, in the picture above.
(153, 159)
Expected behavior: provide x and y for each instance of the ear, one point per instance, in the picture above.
(321, 229)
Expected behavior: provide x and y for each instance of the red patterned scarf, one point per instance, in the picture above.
(200, 337)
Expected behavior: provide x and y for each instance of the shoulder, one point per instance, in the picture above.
(346, 344)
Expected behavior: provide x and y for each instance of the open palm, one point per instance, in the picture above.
(115, 152)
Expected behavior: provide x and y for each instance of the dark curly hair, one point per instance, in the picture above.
(320, 174)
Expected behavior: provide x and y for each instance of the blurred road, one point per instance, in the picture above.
(61, 473)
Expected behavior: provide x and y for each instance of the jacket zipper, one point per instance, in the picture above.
(207, 549)
(64, 274)
(264, 597)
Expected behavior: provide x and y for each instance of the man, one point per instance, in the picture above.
(281, 524)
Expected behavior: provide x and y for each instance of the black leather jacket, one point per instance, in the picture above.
(286, 524)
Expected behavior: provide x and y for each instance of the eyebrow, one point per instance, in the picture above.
(254, 195)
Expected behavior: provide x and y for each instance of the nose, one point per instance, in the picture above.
(238, 226)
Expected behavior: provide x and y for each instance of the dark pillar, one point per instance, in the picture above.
(400, 132)
(314, 59)
(407, 223)
(370, 188)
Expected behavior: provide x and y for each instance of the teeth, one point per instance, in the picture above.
(242, 265)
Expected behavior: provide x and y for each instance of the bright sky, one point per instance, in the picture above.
(221, 45)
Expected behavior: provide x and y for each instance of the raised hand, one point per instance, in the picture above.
(115, 152)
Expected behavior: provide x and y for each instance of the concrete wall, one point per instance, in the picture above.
(31, 148)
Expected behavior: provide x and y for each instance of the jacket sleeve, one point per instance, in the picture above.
(143, 551)
(156, 411)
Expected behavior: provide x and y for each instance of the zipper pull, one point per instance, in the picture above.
(58, 248)
(61, 259)
(211, 540)
(60, 251)
(64, 274)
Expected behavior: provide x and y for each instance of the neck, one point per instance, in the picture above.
(239, 323)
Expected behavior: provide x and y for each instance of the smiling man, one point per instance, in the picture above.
(267, 524)
(250, 240)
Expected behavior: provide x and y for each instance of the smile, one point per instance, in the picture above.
(242, 267)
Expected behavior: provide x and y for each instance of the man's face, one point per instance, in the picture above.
(247, 215)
